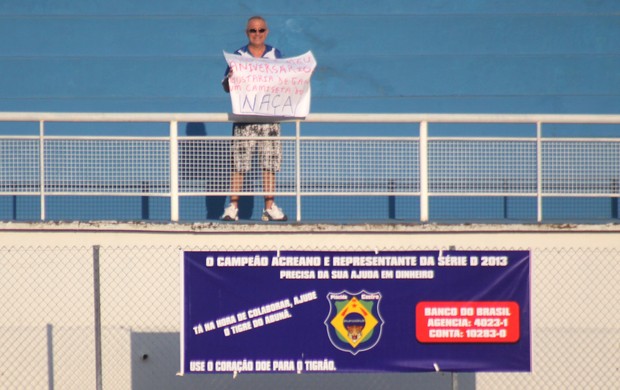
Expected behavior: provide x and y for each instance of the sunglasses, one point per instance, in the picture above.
(254, 31)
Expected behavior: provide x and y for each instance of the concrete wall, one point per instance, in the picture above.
(47, 288)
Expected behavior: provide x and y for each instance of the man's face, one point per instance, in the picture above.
(257, 31)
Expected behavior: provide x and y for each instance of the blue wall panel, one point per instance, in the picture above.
(321, 7)
(392, 56)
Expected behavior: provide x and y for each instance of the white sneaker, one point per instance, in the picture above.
(274, 214)
(231, 213)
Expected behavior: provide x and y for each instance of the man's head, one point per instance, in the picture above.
(257, 30)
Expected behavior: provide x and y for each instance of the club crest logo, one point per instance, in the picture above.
(354, 322)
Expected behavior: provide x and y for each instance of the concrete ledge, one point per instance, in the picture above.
(304, 228)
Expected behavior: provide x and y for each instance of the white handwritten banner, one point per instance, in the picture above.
(267, 87)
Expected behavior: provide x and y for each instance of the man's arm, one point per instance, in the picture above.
(225, 83)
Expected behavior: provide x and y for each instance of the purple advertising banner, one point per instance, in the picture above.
(330, 311)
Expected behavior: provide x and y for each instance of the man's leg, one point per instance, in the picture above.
(269, 186)
(236, 185)
(270, 152)
(241, 160)
(271, 211)
(231, 213)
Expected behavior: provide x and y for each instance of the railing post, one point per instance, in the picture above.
(298, 168)
(174, 171)
(42, 167)
(50, 356)
(97, 306)
(423, 171)
(539, 215)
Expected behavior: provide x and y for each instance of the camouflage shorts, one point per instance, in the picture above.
(269, 151)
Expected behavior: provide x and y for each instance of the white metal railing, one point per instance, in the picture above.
(419, 165)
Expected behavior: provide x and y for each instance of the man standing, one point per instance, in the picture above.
(270, 151)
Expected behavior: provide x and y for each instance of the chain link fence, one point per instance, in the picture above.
(49, 326)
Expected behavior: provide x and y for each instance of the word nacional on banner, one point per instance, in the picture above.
(328, 311)
(271, 87)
